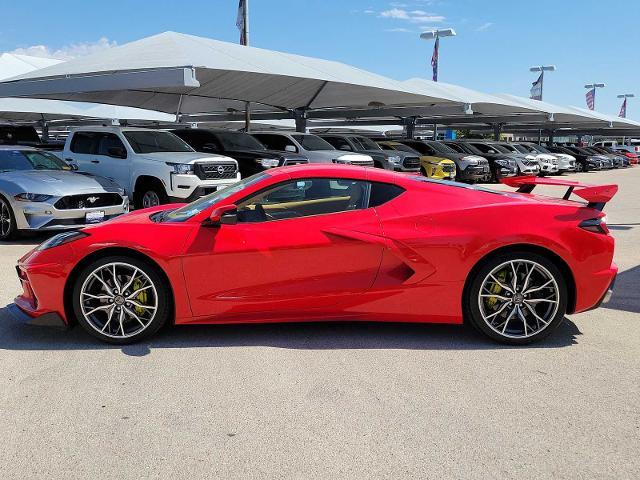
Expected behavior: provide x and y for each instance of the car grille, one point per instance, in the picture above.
(215, 171)
(448, 167)
(364, 163)
(294, 161)
(72, 202)
(411, 162)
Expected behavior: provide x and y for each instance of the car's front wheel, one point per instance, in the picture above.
(8, 230)
(517, 297)
(120, 299)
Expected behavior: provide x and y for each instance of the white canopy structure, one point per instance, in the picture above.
(184, 74)
(37, 110)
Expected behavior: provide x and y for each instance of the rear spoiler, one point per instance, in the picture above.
(596, 195)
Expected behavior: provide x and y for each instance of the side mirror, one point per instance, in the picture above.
(290, 148)
(224, 215)
(117, 152)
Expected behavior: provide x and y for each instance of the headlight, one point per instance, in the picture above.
(268, 162)
(470, 161)
(394, 159)
(32, 197)
(181, 168)
(61, 239)
(340, 160)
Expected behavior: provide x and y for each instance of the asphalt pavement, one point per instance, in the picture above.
(331, 401)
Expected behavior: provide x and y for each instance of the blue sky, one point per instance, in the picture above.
(498, 40)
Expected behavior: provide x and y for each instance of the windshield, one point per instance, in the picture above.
(467, 148)
(152, 141)
(523, 149)
(184, 213)
(30, 160)
(402, 148)
(540, 148)
(239, 141)
(312, 142)
(367, 143)
(441, 147)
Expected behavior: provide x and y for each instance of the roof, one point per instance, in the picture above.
(213, 76)
(12, 64)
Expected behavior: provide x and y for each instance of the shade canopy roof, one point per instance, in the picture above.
(173, 72)
(30, 110)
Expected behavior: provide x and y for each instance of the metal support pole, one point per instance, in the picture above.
(435, 131)
(247, 105)
(409, 127)
(551, 135)
(540, 136)
(497, 130)
(45, 132)
(300, 115)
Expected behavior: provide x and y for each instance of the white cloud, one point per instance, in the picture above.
(413, 16)
(370, 12)
(484, 26)
(402, 30)
(67, 52)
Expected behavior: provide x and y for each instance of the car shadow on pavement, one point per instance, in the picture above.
(625, 292)
(303, 336)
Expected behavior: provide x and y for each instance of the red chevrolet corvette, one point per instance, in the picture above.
(312, 243)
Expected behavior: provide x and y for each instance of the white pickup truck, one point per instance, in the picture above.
(152, 166)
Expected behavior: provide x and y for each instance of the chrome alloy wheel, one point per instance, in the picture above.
(118, 300)
(5, 219)
(150, 199)
(519, 298)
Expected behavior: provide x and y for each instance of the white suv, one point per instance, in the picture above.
(152, 166)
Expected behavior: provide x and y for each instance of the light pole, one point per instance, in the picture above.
(591, 94)
(623, 108)
(536, 90)
(437, 34)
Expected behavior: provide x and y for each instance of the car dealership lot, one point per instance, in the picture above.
(331, 400)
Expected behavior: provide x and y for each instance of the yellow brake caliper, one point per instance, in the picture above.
(496, 289)
(141, 298)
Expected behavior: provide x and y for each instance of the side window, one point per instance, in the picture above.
(83, 142)
(107, 141)
(429, 150)
(338, 143)
(303, 198)
(275, 142)
(382, 193)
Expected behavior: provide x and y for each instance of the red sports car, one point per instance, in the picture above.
(318, 243)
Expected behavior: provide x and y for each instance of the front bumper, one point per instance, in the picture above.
(50, 319)
(44, 216)
(548, 168)
(185, 187)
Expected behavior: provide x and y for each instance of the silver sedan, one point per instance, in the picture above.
(38, 191)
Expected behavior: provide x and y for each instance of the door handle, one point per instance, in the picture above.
(95, 161)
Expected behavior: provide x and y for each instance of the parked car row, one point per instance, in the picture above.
(119, 166)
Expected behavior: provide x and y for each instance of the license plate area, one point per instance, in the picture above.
(94, 217)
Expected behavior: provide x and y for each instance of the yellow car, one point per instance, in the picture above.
(431, 167)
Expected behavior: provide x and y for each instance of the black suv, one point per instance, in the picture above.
(251, 155)
(502, 163)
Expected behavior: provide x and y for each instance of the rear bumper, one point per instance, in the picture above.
(597, 290)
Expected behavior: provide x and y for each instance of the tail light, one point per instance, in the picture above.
(595, 225)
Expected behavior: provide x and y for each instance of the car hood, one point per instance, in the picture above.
(59, 182)
(184, 157)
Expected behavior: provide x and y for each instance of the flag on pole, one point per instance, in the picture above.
(536, 89)
(591, 98)
(242, 5)
(434, 59)
(623, 109)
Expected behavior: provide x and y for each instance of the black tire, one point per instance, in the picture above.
(150, 188)
(162, 311)
(8, 228)
(471, 308)
(423, 171)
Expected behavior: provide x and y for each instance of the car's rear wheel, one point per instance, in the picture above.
(8, 230)
(120, 299)
(150, 193)
(517, 298)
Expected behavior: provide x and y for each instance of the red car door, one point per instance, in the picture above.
(285, 266)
